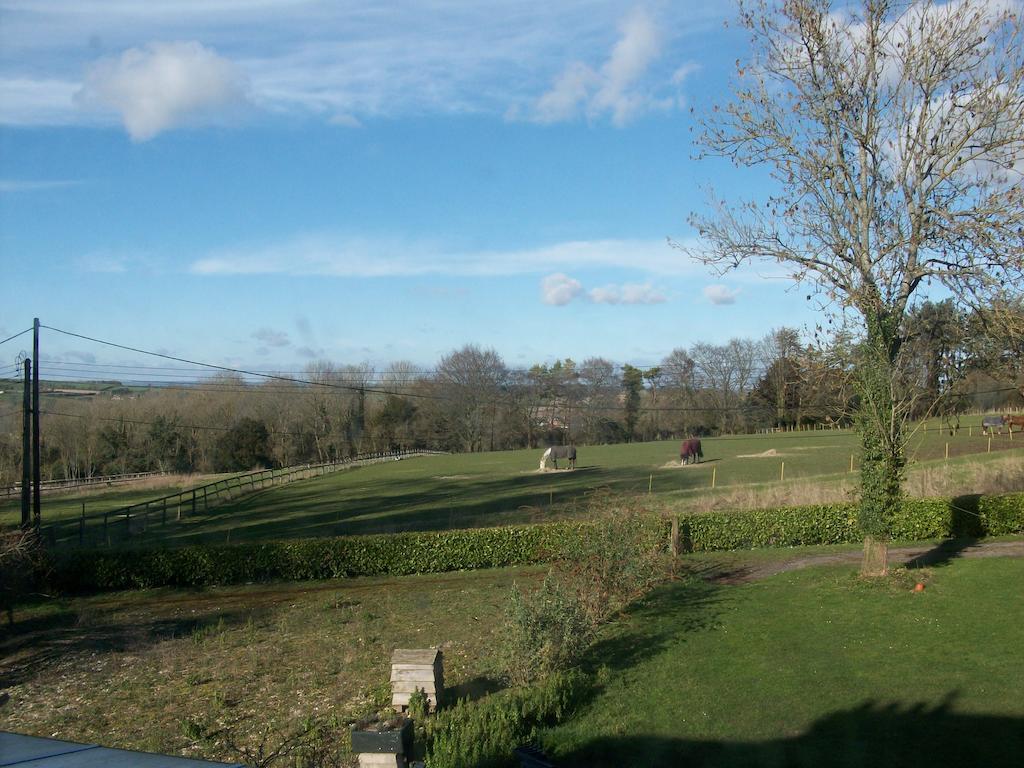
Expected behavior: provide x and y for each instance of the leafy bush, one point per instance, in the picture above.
(545, 630)
(623, 555)
(484, 734)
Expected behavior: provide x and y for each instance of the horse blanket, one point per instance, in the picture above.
(690, 451)
(556, 452)
(993, 422)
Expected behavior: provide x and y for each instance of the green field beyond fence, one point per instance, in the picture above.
(470, 490)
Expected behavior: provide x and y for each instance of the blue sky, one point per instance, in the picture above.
(265, 182)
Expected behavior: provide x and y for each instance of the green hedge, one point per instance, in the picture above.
(434, 552)
(304, 559)
(918, 519)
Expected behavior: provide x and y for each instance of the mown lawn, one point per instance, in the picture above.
(813, 667)
(467, 490)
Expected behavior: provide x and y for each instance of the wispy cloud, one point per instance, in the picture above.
(162, 85)
(271, 338)
(10, 186)
(629, 293)
(383, 257)
(721, 294)
(343, 62)
(618, 88)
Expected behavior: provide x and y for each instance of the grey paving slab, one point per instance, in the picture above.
(36, 752)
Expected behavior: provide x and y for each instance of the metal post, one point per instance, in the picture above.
(36, 511)
(26, 449)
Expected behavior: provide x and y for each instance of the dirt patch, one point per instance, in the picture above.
(452, 477)
(770, 453)
(676, 465)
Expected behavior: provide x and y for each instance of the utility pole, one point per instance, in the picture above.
(36, 511)
(26, 448)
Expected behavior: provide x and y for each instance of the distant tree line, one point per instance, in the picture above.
(473, 401)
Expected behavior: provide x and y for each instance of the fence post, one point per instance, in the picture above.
(193, 501)
(674, 536)
(714, 471)
(782, 472)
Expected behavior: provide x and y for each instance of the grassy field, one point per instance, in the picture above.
(812, 668)
(797, 669)
(466, 490)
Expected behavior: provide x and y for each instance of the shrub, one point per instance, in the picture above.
(545, 630)
(623, 555)
(484, 734)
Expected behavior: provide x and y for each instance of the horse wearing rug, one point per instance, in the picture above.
(992, 422)
(556, 452)
(690, 452)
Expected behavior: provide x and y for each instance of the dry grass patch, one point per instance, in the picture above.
(188, 672)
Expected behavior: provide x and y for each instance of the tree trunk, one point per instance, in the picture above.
(881, 426)
(876, 557)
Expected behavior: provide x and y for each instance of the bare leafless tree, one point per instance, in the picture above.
(894, 135)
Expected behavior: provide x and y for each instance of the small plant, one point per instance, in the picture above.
(419, 705)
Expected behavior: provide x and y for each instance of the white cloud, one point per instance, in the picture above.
(558, 289)
(721, 294)
(617, 88)
(272, 338)
(162, 85)
(629, 293)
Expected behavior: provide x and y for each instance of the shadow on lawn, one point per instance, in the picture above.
(871, 735)
(36, 644)
(966, 527)
(659, 621)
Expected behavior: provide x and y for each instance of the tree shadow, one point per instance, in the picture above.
(659, 621)
(473, 689)
(965, 527)
(873, 734)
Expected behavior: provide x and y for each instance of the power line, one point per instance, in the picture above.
(169, 422)
(11, 338)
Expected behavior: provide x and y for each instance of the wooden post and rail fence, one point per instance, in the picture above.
(125, 523)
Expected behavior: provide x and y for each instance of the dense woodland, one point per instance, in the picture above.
(473, 401)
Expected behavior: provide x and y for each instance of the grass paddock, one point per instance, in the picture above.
(469, 490)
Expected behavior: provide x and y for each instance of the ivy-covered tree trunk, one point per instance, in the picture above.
(881, 426)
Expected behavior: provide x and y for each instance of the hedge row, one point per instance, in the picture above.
(434, 552)
(837, 523)
(305, 559)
